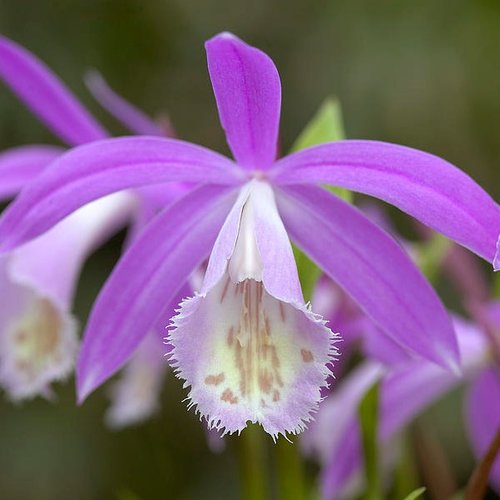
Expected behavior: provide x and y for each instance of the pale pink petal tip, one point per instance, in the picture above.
(38, 346)
(135, 397)
(249, 357)
(496, 260)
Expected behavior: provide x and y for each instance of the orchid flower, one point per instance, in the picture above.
(38, 341)
(246, 343)
(338, 446)
(406, 390)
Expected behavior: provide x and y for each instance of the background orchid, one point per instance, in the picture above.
(252, 246)
(407, 387)
(39, 341)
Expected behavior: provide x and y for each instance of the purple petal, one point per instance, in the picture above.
(422, 185)
(19, 166)
(483, 416)
(248, 92)
(146, 280)
(337, 411)
(43, 92)
(133, 118)
(103, 167)
(373, 269)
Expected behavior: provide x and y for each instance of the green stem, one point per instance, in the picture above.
(253, 468)
(291, 484)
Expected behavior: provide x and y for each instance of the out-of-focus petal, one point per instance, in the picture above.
(422, 185)
(103, 167)
(52, 262)
(145, 281)
(336, 412)
(373, 269)
(248, 92)
(43, 92)
(483, 416)
(129, 115)
(38, 337)
(20, 165)
(424, 382)
(38, 334)
(135, 395)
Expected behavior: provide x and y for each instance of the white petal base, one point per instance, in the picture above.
(249, 357)
(38, 346)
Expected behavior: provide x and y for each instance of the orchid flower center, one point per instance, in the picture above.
(247, 354)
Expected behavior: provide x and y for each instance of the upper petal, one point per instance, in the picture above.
(372, 268)
(248, 92)
(20, 165)
(425, 186)
(43, 92)
(146, 280)
(103, 167)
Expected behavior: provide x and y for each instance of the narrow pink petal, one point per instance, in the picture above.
(146, 280)
(248, 92)
(483, 416)
(422, 185)
(373, 269)
(19, 166)
(43, 92)
(103, 167)
(132, 117)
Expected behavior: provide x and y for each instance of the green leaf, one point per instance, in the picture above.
(431, 255)
(415, 494)
(309, 273)
(368, 420)
(326, 126)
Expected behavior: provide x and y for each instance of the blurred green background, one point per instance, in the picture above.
(421, 73)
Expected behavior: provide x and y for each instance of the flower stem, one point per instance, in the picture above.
(291, 484)
(252, 458)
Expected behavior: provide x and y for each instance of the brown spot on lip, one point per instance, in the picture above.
(229, 397)
(215, 379)
(276, 396)
(265, 381)
(230, 336)
(282, 312)
(307, 356)
(224, 291)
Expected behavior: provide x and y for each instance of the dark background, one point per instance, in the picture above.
(421, 73)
